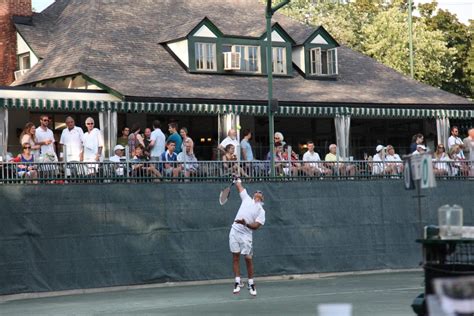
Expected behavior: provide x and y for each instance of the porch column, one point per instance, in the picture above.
(343, 125)
(108, 129)
(3, 133)
(443, 131)
(225, 123)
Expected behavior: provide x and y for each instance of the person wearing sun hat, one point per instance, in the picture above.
(377, 161)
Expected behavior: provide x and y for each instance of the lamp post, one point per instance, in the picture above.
(268, 15)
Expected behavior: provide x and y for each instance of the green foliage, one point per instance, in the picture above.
(443, 47)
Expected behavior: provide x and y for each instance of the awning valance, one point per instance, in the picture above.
(243, 109)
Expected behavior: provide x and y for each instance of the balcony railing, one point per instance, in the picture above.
(216, 171)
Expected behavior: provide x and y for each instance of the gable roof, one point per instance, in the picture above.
(119, 46)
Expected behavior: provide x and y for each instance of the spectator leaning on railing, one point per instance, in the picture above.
(312, 165)
(169, 159)
(440, 159)
(393, 161)
(188, 160)
(119, 159)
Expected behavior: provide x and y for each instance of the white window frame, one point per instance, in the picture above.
(332, 61)
(205, 56)
(244, 51)
(279, 66)
(22, 62)
(316, 65)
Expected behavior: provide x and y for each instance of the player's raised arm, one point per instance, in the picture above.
(238, 184)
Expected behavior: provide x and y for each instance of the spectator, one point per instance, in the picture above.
(71, 140)
(25, 169)
(158, 140)
(119, 153)
(278, 157)
(230, 139)
(469, 145)
(142, 167)
(454, 139)
(417, 139)
(440, 167)
(278, 137)
(393, 161)
(45, 138)
(332, 161)
(231, 165)
(184, 136)
(312, 165)
(469, 150)
(92, 145)
(190, 163)
(134, 139)
(247, 154)
(174, 136)
(29, 136)
(458, 166)
(420, 149)
(147, 141)
(378, 160)
(123, 140)
(294, 166)
(169, 159)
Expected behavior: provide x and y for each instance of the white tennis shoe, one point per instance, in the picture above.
(252, 290)
(237, 287)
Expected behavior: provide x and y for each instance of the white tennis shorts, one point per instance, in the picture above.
(240, 243)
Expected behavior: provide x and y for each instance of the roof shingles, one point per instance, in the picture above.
(119, 46)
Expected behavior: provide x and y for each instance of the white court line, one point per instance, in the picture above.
(272, 298)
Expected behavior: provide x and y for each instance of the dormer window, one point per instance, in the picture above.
(323, 62)
(249, 56)
(205, 56)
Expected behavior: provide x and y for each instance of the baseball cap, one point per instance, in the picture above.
(421, 146)
(379, 148)
(118, 147)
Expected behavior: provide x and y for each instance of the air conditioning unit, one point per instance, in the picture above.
(231, 61)
(20, 73)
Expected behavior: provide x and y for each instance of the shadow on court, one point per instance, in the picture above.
(388, 294)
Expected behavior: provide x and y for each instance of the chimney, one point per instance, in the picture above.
(9, 8)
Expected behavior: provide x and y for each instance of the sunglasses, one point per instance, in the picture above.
(89, 123)
(26, 147)
(45, 120)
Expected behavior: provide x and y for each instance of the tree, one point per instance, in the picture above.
(457, 35)
(379, 28)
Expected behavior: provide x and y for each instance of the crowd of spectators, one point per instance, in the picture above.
(154, 154)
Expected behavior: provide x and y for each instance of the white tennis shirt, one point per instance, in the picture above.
(249, 210)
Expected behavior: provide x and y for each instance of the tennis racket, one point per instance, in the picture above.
(224, 195)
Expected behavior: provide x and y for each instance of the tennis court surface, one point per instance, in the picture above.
(387, 293)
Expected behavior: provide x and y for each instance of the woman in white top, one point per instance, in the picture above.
(440, 167)
(92, 144)
(28, 135)
(184, 135)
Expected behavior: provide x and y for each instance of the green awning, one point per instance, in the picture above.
(243, 109)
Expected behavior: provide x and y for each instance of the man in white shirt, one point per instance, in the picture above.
(250, 217)
(45, 136)
(230, 139)
(454, 139)
(119, 152)
(71, 140)
(190, 163)
(158, 142)
(312, 162)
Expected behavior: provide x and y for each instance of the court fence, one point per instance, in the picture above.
(216, 171)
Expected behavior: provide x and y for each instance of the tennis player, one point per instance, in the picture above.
(250, 217)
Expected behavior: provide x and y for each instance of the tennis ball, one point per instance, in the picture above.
(239, 127)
